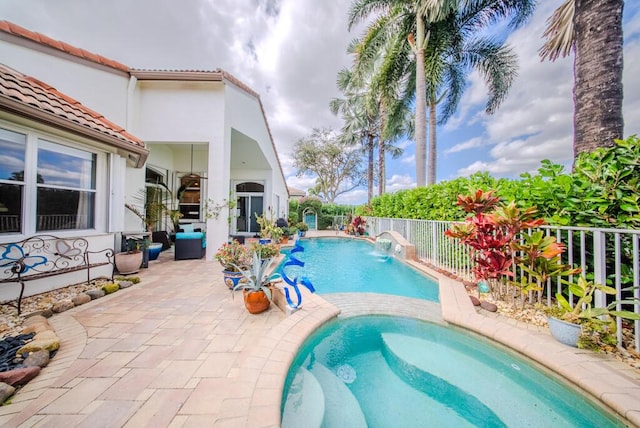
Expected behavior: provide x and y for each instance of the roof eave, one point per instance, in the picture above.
(19, 108)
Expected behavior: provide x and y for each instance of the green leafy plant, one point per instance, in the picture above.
(268, 228)
(540, 259)
(266, 251)
(302, 227)
(256, 276)
(231, 255)
(583, 309)
(598, 324)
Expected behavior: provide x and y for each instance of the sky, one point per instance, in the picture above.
(290, 51)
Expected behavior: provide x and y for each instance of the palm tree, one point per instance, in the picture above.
(360, 120)
(449, 35)
(593, 30)
(363, 111)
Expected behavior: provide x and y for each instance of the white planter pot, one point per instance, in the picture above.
(564, 332)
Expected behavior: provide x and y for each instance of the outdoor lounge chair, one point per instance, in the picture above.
(189, 245)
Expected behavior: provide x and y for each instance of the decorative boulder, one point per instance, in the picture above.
(488, 306)
(95, 294)
(62, 305)
(17, 377)
(81, 299)
(37, 359)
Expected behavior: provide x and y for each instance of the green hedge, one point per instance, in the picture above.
(602, 191)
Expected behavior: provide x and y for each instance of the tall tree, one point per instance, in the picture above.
(593, 31)
(408, 30)
(365, 120)
(335, 163)
(359, 118)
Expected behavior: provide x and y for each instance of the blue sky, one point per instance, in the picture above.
(534, 122)
(290, 51)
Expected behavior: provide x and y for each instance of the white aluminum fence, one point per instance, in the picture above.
(609, 256)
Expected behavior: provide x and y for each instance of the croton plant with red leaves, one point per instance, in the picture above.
(492, 233)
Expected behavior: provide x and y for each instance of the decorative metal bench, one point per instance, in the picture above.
(43, 256)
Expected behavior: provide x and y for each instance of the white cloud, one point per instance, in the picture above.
(535, 121)
(290, 51)
(301, 183)
(399, 182)
(469, 144)
(409, 159)
(355, 197)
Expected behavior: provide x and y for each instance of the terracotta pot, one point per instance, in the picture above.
(127, 263)
(255, 301)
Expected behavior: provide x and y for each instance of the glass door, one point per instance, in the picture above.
(249, 208)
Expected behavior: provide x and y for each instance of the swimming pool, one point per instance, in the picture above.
(352, 265)
(382, 371)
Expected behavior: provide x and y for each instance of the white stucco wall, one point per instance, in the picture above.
(179, 114)
(244, 114)
(100, 88)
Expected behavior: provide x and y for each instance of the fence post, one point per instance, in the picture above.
(434, 244)
(599, 266)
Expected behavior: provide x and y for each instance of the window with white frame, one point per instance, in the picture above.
(62, 177)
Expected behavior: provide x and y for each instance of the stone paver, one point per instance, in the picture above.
(177, 351)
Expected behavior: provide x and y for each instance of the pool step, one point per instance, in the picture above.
(426, 366)
(341, 407)
(305, 403)
(501, 387)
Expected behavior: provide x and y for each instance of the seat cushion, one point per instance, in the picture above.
(189, 235)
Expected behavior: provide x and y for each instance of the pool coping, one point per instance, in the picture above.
(615, 385)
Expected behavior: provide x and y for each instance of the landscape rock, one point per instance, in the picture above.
(17, 377)
(95, 294)
(81, 299)
(34, 320)
(37, 328)
(125, 284)
(488, 306)
(474, 300)
(37, 359)
(62, 305)
(47, 313)
(6, 391)
(46, 340)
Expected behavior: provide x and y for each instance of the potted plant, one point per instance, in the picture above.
(575, 325)
(359, 226)
(268, 229)
(233, 257)
(256, 289)
(265, 251)
(130, 260)
(302, 229)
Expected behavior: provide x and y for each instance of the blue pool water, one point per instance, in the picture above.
(381, 371)
(351, 266)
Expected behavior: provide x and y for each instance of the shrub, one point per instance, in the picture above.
(110, 287)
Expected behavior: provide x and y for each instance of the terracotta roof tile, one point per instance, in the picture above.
(16, 30)
(43, 97)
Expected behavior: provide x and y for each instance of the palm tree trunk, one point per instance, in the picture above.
(370, 168)
(421, 104)
(598, 74)
(432, 141)
(382, 166)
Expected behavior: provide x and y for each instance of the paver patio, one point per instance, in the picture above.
(176, 350)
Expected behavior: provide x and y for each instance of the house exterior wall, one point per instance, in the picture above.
(244, 114)
(98, 87)
(165, 113)
(186, 113)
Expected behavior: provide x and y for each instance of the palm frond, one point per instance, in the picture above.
(559, 33)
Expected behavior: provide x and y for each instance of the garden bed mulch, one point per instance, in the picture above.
(534, 316)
